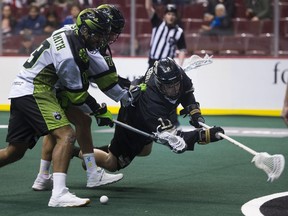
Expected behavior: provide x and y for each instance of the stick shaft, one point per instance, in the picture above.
(134, 129)
(235, 142)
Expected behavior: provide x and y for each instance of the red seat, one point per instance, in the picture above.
(259, 45)
(191, 42)
(192, 25)
(207, 44)
(143, 26)
(122, 45)
(191, 11)
(144, 44)
(232, 45)
(243, 26)
(267, 27)
(283, 9)
(283, 46)
(240, 10)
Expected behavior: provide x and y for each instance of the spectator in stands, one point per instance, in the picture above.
(167, 37)
(221, 23)
(71, 18)
(34, 22)
(258, 9)
(211, 4)
(52, 22)
(27, 44)
(8, 21)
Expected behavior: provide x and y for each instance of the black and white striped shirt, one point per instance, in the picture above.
(165, 40)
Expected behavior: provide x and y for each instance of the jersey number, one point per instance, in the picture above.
(36, 54)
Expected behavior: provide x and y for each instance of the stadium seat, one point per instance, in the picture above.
(122, 45)
(240, 10)
(191, 42)
(143, 26)
(195, 11)
(244, 26)
(259, 45)
(144, 44)
(267, 27)
(283, 9)
(283, 46)
(283, 27)
(11, 45)
(207, 44)
(232, 45)
(192, 25)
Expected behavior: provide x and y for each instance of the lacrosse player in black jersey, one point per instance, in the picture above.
(163, 88)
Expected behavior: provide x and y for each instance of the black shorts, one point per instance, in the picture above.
(32, 117)
(126, 144)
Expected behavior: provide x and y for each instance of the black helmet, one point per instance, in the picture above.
(116, 18)
(94, 27)
(168, 77)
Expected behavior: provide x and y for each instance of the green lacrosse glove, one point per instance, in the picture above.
(136, 91)
(103, 116)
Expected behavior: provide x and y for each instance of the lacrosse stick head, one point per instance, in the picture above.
(273, 165)
(196, 61)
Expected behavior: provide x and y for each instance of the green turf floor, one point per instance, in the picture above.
(214, 180)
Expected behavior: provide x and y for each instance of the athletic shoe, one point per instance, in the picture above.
(103, 178)
(41, 183)
(67, 199)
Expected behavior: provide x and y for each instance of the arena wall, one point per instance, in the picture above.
(250, 86)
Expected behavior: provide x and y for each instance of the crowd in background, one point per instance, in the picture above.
(32, 19)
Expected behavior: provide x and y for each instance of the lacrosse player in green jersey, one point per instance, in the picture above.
(62, 59)
(101, 71)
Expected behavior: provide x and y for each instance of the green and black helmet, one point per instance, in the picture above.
(116, 18)
(94, 27)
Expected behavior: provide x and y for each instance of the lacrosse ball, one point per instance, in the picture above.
(104, 199)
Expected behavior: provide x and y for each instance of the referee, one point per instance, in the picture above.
(167, 37)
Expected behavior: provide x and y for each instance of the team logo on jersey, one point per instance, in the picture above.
(57, 115)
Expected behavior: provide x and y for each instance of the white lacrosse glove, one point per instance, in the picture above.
(174, 142)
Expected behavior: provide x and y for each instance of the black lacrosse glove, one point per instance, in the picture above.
(165, 125)
(210, 135)
(103, 116)
(194, 112)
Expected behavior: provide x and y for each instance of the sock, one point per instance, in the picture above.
(44, 168)
(90, 163)
(59, 183)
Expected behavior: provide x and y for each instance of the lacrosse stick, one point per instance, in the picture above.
(175, 143)
(273, 165)
(196, 61)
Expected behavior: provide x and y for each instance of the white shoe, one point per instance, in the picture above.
(42, 183)
(67, 199)
(103, 178)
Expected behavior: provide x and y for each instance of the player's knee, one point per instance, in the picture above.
(65, 135)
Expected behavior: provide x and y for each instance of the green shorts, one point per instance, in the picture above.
(33, 116)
